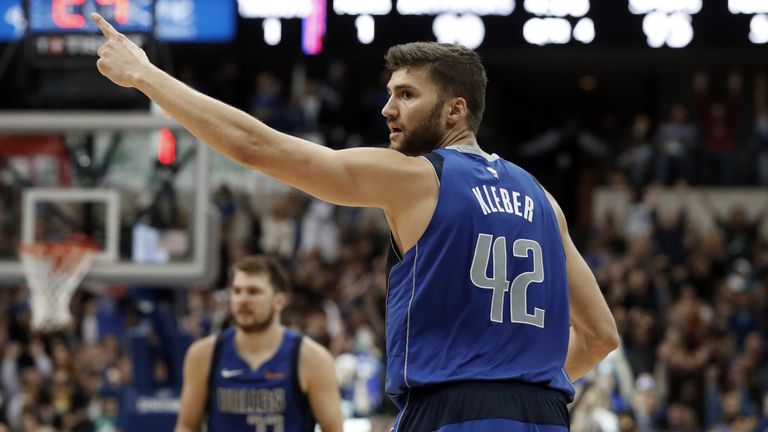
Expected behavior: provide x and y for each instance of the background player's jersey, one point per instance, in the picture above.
(483, 295)
(268, 399)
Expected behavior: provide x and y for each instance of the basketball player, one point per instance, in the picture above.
(258, 375)
(491, 311)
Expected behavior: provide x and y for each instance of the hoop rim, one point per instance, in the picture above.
(49, 248)
(74, 244)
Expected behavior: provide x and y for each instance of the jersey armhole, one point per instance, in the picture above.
(216, 355)
(436, 160)
(299, 395)
(559, 234)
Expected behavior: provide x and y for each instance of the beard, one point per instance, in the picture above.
(258, 326)
(425, 137)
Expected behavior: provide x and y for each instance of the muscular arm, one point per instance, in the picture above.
(593, 330)
(318, 378)
(194, 391)
(365, 177)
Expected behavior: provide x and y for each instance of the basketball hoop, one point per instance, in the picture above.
(53, 272)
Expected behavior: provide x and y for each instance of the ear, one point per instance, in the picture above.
(457, 111)
(281, 300)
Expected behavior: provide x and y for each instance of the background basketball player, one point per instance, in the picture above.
(258, 375)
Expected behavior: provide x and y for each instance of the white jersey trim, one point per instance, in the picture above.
(434, 171)
(408, 322)
(475, 150)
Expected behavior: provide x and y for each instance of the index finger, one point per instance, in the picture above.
(104, 25)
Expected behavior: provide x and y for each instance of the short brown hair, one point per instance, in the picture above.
(259, 264)
(456, 70)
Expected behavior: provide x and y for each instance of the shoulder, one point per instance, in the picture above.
(311, 352)
(563, 224)
(200, 352)
(316, 365)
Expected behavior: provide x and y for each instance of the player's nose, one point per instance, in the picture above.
(389, 110)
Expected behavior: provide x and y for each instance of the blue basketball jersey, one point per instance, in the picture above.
(268, 399)
(483, 295)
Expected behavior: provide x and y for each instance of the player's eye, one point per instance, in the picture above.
(407, 95)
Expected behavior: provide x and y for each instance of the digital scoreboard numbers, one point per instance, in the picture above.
(313, 15)
(72, 16)
(660, 24)
(456, 21)
(60, 33)
(558, 22)
(758, 24)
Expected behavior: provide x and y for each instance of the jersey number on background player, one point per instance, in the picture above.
(263, 422)
(522, 248)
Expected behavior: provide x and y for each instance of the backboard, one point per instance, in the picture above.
(136, 183)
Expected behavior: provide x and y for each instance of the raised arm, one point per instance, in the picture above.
(593, 330)
(194, 391)
(366, 177)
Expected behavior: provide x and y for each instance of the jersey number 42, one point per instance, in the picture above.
(518, 290)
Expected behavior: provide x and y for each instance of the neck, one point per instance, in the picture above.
(259, 341)
(463, 136)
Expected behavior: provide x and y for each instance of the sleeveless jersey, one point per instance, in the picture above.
(483, 295)
(268, 399)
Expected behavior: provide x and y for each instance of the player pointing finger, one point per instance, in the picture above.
(120, 60)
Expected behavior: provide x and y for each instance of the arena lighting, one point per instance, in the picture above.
(557, 8)
(550, 26)
(273, 31)
(274, 9)
(673, 30)
(359, 7)
(166, 148)
(366, 29)
(545, 31)
(14, 16)
(747, 6)
(436, 7)
(313, 28)
(640, 7)
(467, 30)
(666, 22)
(584, 31)
(758, 29)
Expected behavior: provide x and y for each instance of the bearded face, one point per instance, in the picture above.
(253, 302)
(422, 137)
(250, 323)
(414, 112)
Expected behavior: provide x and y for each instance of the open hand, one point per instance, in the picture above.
(120, 60)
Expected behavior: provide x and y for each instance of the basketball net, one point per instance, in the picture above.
(53, 272)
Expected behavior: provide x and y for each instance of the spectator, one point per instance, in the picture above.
(717, 121)
(676, 140)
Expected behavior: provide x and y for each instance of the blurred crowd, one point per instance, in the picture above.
(691, 304)
(723, 140)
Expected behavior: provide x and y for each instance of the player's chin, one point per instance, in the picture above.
(244, 321)
(393, 145)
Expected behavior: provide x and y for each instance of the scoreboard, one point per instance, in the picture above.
(196, 21)
(67, 16)
(655, 24)
(355, 23)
